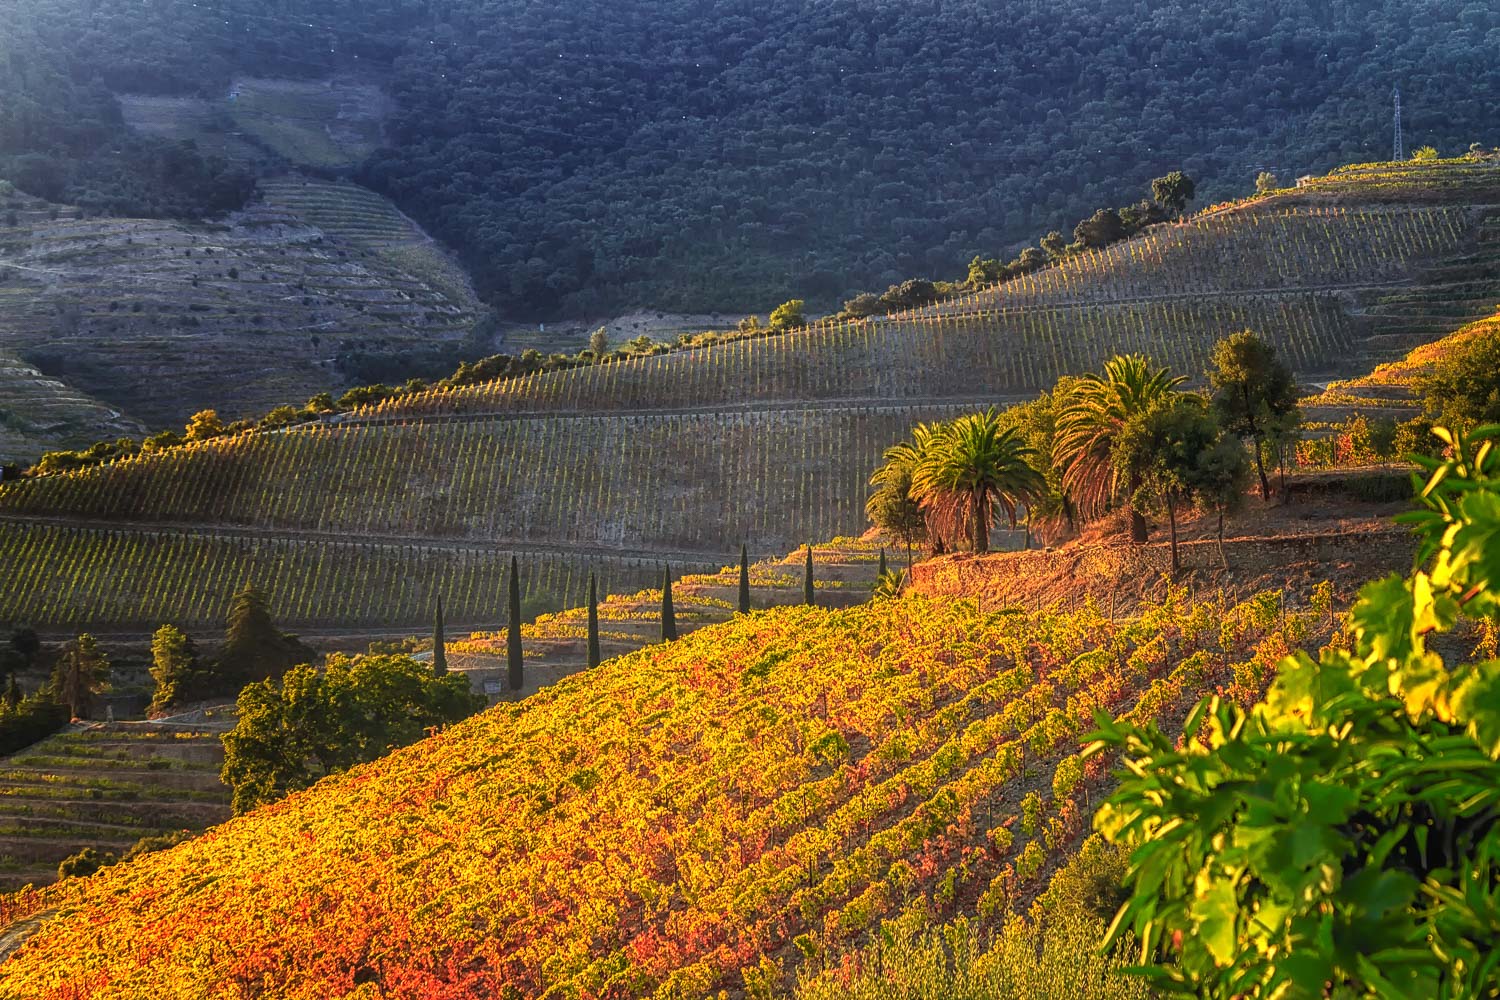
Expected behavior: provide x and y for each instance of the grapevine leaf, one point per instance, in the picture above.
(1214, 914)
(1382, 619)
(1476, 703)
(1420, 686)
(1303, 686)
(1307, 970)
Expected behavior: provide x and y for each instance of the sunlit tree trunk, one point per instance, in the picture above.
(1172, 521)
(981, 520)
(1137, 519)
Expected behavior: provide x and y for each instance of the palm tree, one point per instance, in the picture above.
(1088, 425)
(892, 508)
(976, 467)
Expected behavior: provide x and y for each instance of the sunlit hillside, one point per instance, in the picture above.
(772, 786)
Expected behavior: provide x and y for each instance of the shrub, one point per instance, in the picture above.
(1031, 812)
(33, 720)
(85, 863)
(1464, 388)
(160, 842)
(1031, 862)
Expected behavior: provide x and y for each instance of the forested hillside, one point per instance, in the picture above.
(719, 154)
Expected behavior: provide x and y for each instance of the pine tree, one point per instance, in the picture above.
(81, 672)
(668, 617)
(439, 646)
(254, 648)
(744, 580)
(594, 657)
(807, 581)
(13, 695)
(176, 671)
(515, 675)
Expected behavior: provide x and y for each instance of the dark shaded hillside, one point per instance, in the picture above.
(724, 154)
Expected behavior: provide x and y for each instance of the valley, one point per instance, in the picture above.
(473, 526)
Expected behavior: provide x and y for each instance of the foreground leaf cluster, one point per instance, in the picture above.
(1341, 835)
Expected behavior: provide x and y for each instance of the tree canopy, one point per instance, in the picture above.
(254, 648)
(975, 469)
(590, 155)
(1253, 392)
(309, 723)
(1091, 421)
(1463, 389)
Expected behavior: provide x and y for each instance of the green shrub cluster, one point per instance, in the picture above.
(30, 721)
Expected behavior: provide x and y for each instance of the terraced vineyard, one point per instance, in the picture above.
(333, 123)
(990, 353)
(658, 825)
(419, 529)
(1268, 248)
(771, 478)
(1391, 390)
(132, 578)
(1458, 180)
(361, 218)
(39, 414)
(1331, 286)
(105, 787)
(127, 309)
(768, 439)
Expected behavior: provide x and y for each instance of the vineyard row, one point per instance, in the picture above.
(719, 807)
(88, 578)
(682, 482)
(997, 353)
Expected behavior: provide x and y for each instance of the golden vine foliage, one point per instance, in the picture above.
(764, 789)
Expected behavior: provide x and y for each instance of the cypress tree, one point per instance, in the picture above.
(439, 647)
(668, 617)
(594, 657)
(513, 632)
(744, 580)
(807, 581)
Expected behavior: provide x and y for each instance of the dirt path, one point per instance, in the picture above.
(21, 931)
